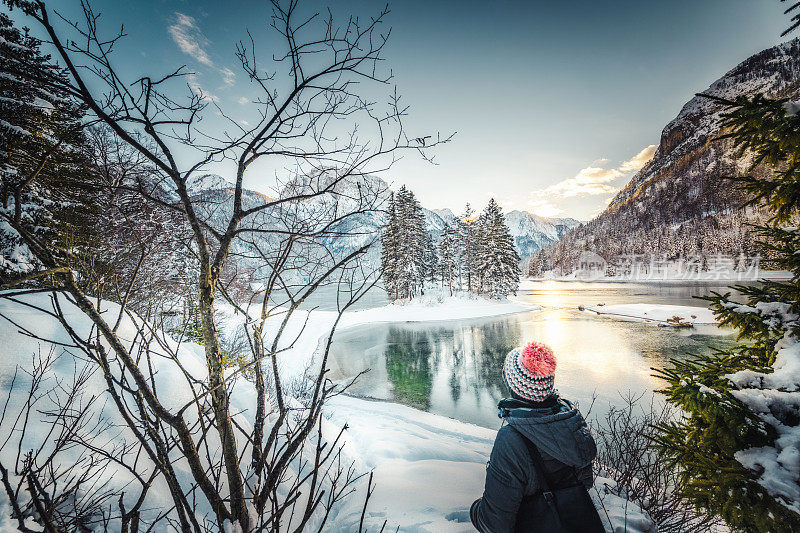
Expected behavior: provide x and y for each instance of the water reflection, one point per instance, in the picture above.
(454, 368)
(409, 366)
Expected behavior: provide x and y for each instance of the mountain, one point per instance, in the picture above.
(532, 233)
(679, 204)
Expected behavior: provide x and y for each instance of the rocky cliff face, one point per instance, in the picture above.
(688, 148)
(680, 203)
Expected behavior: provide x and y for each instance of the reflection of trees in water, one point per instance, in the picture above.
(408, 365)
(478, 352)
(499, 338)
(473, 356)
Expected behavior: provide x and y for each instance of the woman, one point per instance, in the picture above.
(537, 420)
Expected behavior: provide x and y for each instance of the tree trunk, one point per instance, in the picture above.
(219, 400)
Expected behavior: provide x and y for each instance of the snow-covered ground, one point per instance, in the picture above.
(658, 313)
(426, 466)
(429, 469)
(723, 276)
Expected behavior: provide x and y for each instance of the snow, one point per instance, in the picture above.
(771, 397)
(426, 466)
(429, 468)
(658, 313)
(672, 275)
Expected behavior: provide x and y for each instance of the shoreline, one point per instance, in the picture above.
(769, 275)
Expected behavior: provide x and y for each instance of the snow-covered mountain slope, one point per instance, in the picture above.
(207, 182)
(532, 233)
(679, 203)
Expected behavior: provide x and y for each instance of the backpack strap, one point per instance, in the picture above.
(538, 467)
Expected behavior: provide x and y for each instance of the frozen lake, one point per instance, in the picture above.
(453, 368)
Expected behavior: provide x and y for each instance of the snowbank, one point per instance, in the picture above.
(657, 313)
(429, 467)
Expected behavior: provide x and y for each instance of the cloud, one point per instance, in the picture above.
(186, 34)
(636, 162)
(594, 180)
(588, 181)
(191, 79)
(228, 76)
(243, 100)
(543, 208)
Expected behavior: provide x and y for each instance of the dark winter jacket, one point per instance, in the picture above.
(559, 432)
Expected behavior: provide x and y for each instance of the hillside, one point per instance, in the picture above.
(679, 204)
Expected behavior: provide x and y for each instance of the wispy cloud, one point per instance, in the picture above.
(187, 35)
(636, 162)
(243, 100)
(228, 76)
(191, 79)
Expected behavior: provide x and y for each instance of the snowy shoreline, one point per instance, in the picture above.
(725, 278)
(661, 314)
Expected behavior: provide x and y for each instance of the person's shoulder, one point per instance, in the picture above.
(508, 442)
(508, 432)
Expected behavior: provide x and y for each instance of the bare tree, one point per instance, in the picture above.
(310, 117)
(642, 474)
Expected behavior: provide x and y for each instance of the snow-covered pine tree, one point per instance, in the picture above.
(536, 266)
(738, 446)
(430, 260)
(468, 251)
(449, 258)
(498, 261)
(404, 247)
(389, 252)
(42, 153)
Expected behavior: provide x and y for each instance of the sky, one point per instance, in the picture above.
(554, 105)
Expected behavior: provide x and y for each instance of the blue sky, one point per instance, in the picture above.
(554, 103)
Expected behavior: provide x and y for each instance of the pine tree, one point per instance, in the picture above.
(430, 260)
(43, 158)
(536, 266)
(498, 261)
(468, 249)
(449, 253)
(405, 247)
(191, 327)
(737, 445)
(389, 252)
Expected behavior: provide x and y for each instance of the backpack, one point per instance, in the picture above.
(565, 507)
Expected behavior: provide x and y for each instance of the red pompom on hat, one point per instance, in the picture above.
(529, 372)
(539, 359)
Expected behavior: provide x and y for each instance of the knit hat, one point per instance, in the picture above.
(529, 372)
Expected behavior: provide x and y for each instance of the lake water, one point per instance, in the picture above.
(453, 368)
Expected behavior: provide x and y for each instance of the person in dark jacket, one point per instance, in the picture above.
(551, 423)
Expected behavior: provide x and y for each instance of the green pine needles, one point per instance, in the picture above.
(738, 445)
